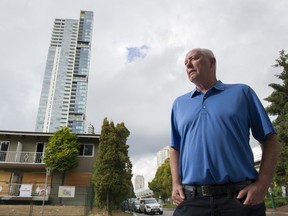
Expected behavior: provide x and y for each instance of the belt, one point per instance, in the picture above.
(216, 190)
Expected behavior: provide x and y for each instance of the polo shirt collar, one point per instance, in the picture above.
(218, 86)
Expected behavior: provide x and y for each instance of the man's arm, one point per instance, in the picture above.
(177, 189)
(256, 192)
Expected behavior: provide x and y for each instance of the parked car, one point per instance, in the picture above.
(126, 205)
(130, 203)
(135, 206)
(150, 206)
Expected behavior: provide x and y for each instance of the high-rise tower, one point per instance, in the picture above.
(162, 155)
(139, 182)
(65, 84)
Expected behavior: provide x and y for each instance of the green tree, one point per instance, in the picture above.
(112, 170)
(279, 108)
(61, 151)
(161, 185)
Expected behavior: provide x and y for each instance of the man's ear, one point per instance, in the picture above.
(213, 61)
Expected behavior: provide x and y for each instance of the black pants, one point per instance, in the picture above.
(217, 206)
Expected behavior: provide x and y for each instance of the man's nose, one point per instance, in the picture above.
(189, 64)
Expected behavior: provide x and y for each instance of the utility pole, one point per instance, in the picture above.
(45, 189)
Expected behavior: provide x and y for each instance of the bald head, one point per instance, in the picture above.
(201, 68)
(206, 52)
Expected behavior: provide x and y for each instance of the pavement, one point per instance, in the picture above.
(283, 210)
(280, 211)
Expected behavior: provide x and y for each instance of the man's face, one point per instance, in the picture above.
(198, 66)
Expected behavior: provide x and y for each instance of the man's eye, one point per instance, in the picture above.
(194, 57)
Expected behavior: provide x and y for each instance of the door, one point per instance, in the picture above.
(39, 153)
(3, 150)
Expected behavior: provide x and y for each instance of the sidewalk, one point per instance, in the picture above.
(282, 210)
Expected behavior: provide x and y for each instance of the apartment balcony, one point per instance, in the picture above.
(16, 159)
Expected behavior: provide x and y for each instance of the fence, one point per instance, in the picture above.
(60, 200)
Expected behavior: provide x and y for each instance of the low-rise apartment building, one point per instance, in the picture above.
(23, 173)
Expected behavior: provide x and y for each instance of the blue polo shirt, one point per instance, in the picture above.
(212, 131)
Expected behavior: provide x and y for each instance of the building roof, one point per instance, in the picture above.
(42, 134)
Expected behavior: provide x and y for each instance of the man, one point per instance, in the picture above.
(211, 159)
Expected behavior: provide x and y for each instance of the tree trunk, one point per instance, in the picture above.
(62, 183)
(108, 210)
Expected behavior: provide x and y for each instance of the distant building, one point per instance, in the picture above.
(139, 188)
(144, 193)
(65, 83)
(139, 182)
(90, 129)
(257, 152)
(162, 155)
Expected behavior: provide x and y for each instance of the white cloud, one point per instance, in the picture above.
(246, 37)
(146, 166)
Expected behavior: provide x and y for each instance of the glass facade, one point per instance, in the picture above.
(65, 84)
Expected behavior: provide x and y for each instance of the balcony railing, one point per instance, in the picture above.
(21, 157)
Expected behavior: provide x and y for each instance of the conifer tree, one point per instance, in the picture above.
(279, 108)
(112, 170)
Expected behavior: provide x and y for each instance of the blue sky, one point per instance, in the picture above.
(134, 53)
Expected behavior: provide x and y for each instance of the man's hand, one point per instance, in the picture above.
(178, 194)
(255, 194)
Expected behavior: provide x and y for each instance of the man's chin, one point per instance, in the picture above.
(192, 78)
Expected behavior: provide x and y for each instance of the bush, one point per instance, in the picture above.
(169, 205)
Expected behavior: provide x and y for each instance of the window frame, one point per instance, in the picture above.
(86, 144)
